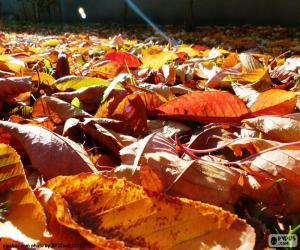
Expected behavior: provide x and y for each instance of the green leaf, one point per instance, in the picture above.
(48, 66)
(77, 82)
(76, 102)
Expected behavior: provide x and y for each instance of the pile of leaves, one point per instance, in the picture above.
(118, 143)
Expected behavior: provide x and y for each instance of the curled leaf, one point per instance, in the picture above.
(23, 219)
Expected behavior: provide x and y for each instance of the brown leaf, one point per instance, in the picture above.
(197, 180)
(106, 69)
(49, 152)
(250, 92)
(59, 233)
(280, 128)
(89, 97)
(62, 66)
(13, 86)
(249, 62)
(281, 161)
(101, 135)
(167, 128)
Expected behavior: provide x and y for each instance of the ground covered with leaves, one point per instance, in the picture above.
(113, 138)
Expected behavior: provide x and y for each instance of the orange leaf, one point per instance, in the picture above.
(112, 214)
(106, 70)
(216, 106)
(123, 59)
(57, 110)
(274, 102)
(130, 109)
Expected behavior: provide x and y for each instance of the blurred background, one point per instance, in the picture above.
(188, 12)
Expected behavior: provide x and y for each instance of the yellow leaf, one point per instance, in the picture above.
(156, 61)
(23, 212)
(77, 82)
(190, 51)
(106, 209)
(51, 43)
(43, 78)
(8, 63)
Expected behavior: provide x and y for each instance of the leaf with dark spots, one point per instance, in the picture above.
(100, 210)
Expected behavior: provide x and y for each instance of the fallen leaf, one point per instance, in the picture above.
(22, 216)
(49, 152)
(250, 92)
(77, 82)
(167, 128)
(44, 78)
(280, 128)
(89, 97)
(156, 61)
(169, 222)
(62, 66)
(124, 59)
(197, 180)
(274, 102)
(12, 87)
(281, 161)
(55, 109)
(249, 62)
(11, 64)
(51, 43)
(130, 109)
(107, 69)
(216, 106)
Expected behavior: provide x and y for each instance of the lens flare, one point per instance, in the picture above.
(138, 11)
(82, 12)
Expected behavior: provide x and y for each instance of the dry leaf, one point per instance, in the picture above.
(216, 106)
(100, 209)
(274, 102)
(22, 216)
(49, 152)
(197, 180)
(12, 87)
(55, 109)
(280, 128)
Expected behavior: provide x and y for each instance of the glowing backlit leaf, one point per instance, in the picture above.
(101, 209)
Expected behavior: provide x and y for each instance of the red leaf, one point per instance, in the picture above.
(123, 58)
(182, 55)
(216, 106)
(200, 47)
